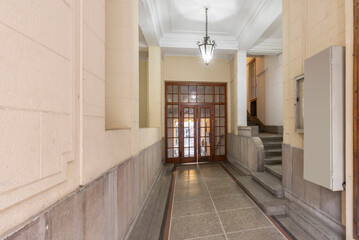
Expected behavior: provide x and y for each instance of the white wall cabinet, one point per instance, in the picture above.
(324, 118)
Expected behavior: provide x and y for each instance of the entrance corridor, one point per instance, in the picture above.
(208, 204)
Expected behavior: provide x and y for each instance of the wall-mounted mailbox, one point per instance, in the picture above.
(324, 118)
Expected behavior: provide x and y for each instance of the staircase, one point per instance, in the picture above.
(273, 154)
(266, 190)
(271, 178)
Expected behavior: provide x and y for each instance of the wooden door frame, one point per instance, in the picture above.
(356, 120)
(180, 104)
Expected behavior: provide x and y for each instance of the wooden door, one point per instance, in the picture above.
(196, 122)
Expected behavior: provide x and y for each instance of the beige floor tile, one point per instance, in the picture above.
(243, 219)
(195, 226)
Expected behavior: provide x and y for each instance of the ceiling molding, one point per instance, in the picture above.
(267, 47)
(248, 28)
(174, 40)
(259, 23)
(149, 23)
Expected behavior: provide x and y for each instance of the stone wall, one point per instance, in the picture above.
(103, 209)
(305, 193)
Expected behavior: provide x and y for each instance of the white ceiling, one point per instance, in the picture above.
(253, 26)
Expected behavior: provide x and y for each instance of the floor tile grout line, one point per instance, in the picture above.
(223, 211)
(236, 209)
(204, 237)
(215, 235)
(195, 215)
(251, 229)
(220, 221)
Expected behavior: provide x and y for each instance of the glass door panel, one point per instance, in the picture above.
(205, 133)
(172, 131)
(188, 132)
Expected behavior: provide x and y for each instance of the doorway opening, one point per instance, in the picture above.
(196, 122)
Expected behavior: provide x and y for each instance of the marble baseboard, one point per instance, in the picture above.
(102, 209)
(321, 199)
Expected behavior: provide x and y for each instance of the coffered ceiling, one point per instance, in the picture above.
(253, 26)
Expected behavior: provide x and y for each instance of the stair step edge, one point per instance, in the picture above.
(293, 228)
(272, 172)
(270, 183)
(318, 228)
(271, 205)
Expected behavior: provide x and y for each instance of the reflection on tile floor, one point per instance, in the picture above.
(209, 205)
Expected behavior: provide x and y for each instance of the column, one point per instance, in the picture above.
(241, 58)
(154, 87)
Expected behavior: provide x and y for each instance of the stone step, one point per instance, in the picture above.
(274, 170)
(274, 138)
(292, 228)
(316, 227)
(273, 152)
(273, 160)
(271, 205)
(236, 168)
(272, 145)
(272, 184)
(150, 221)
(300, 223)
(249, 123)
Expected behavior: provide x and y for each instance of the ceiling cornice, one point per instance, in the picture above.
(258, 23)
(189, 41)
(158, 30)
(149, 22)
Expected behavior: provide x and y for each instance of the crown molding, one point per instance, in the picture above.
(267, 47)
(149, 22)
(157, 27)
(175, 40)
(259, 23)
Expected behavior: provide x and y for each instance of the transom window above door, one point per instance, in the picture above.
(195, 94)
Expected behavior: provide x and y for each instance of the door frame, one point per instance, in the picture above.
(356, 120)
(180, 104)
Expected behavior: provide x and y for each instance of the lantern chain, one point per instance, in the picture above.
(206, 22)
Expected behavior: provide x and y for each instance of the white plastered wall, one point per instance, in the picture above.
(269, 90)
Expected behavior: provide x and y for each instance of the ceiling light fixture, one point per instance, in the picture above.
(207, 46)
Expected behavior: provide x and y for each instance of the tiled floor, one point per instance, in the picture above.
(209, 205)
